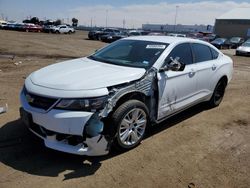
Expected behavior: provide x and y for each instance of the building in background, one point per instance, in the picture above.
(235, 23)
(177, 28)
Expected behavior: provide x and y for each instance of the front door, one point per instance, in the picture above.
(177, 88)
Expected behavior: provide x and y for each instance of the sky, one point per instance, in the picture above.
(134, 12)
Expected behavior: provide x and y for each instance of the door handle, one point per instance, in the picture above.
(191, 73)
(214, 67)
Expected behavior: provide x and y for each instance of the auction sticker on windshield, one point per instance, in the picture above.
(156, 46)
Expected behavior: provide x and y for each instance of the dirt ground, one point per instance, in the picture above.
(199, 148)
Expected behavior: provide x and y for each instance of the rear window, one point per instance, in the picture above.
(202, 52)
(214, 53)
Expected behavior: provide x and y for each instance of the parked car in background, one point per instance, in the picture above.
(219, 43)
(89, 105)
(248, 40)
(156, 34)
(48, 28)
(176, 35)
(2, 24)
(18, 27)
(137, 32)
(63, 29)
(92, 35)
(195, 35)
(211, 37)
(244, 49)
(32, 28)
(234, 42)
(10, 26)
(97, 34)
(204, 36)
(134, 33)
(111, 37)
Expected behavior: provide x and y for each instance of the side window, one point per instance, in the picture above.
(201, 52)
(183, 52)
(214, 53)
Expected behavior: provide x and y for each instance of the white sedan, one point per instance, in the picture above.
(63, 29)
(244, 49)
(89, 105)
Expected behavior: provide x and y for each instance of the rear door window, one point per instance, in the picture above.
(214, 53)
(201, 52)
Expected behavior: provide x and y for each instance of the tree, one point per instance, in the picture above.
(58, 22)
(26, 21)
(74, 22)
(34, 20)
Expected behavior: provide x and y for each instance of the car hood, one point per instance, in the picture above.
(244, 48)
(84, 74)
(217, 42)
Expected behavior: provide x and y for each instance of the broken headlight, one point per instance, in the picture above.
(92, 104)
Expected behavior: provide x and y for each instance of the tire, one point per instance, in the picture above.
(129, 123)
(218, 93)
(57, 32)
(70, 32)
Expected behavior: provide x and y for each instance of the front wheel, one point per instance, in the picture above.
(129, 121)
(218, 93)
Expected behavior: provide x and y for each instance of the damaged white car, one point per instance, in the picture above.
(87, 106)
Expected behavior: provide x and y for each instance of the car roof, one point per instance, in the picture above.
(165, 39)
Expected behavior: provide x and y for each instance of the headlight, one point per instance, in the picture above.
(82, 104)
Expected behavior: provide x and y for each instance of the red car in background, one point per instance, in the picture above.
(205, 36)
(32, 28)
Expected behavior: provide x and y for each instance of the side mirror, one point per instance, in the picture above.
(174, 65)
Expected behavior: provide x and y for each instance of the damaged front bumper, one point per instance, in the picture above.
(67, 131)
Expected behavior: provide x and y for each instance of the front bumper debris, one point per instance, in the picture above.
(67, 131)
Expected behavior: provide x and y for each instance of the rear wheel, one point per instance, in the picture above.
(70, 32)
(129, 122)
(218, 93)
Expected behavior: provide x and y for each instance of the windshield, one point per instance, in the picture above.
(246, 44)
(235, 39)
(132, 53)
(220, 40)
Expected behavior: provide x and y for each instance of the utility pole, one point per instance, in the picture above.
(176, 11)
(106, 18)
(123, 23)
(91, 21)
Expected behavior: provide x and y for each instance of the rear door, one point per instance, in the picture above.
(177, 88)
(206, 65)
